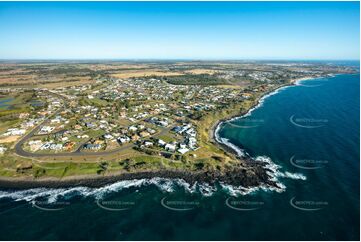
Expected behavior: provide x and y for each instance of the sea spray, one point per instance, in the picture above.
(52, 195)
(165, 184)
(273, 169)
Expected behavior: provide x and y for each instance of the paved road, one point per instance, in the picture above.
(20, 151)
(19, 146)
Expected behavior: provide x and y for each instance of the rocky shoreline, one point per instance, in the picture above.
(213, 130)
(261, 175)
(236, 176)
(248, 173)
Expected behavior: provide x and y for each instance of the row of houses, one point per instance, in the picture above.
(36, 145)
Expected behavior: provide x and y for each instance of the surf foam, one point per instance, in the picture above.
(274, 169)
(56, 194)
(164, 184)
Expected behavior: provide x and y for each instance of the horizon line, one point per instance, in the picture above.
(174, 59)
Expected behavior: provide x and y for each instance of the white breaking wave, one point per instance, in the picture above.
(274, 172)
(206, 189)
(240, 152)
(299, 81)
(54, 194)
(237, 191)
(259, 104)
(164, 184)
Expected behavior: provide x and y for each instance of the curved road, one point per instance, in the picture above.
(20, 151)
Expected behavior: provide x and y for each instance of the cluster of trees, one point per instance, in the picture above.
(196, 115)
(103, 166)
(130, 164)
(192, 79)
(66, 71)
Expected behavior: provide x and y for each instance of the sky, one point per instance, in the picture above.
(180, 30)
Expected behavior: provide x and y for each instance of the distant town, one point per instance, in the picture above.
(87, 118)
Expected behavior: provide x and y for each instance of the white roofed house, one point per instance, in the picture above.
(56, 103)
(56, 120)
(133, 128)
(183, 150)
(14, 131)
(35, 145)
(46, 129)
(151, 131)
(56, 146)
(161, 142)
(191, 132)
(162, 123)
(123, 139)
(192, 142)
(148, 143)
(28, 124)
(108, 136)
(170, 147)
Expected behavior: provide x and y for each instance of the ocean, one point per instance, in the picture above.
(309, 133)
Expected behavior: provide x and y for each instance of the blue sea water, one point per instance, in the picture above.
(310, 129)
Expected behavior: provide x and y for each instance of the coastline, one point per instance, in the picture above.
(88, 180)
(272, 170)
(237, 176)
(258, 103)
(256, 173)
(216, 126)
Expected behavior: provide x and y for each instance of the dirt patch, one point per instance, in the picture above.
(9, 139)
(144, 73)
(201, 71)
